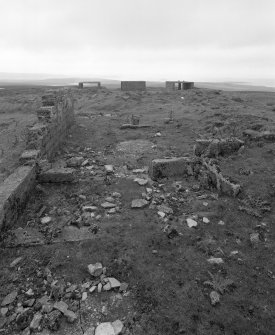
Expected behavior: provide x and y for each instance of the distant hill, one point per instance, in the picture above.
(61, 80)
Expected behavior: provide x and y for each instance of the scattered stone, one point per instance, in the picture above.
(27, 331)
(123, 287)
(141, 182)
(165, 209)
(89, 208)
(191, 223)
(99, 288)
(105, 328)
(46, 220)
(116, 195)
(30, 292)
(92, 289)
(161, 214)
(16, 262)
(109, 169)
(84, 296)
(9, 298)
(214, 260)
(29, 303)
(70, 316)
(61, 306)
(107, 205)
(47, 308)
(95, 269)
(214, 298)
(221, 223)
(139, 203)
(4, 311)
(118, 326)
(111, 211)
(35, 323)
(114, 282)
(107, 287)
(205, 220)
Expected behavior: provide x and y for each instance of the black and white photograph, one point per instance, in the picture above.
(137, 167)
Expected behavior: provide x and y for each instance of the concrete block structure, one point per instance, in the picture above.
(94, 83)
(179, 85)
(44, 138)
(133, 86)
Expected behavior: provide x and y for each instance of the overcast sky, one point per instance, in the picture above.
(196, 40)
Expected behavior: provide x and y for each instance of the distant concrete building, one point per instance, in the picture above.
(96, 83)
(133, 86)
(179, 85)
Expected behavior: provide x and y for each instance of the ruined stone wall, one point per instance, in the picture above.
(133, 86)
(55, 118)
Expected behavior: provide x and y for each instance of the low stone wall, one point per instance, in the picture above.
(55, 118)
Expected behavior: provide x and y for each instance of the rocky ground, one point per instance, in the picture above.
(114, 252)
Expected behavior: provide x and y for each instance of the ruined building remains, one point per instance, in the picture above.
(179, 85)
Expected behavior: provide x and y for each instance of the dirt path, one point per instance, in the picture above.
(169, 267)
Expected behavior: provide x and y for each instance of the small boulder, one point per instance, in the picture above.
(139, 203)
(95, 269)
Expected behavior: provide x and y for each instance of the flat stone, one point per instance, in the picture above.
(139, 203)
(9, 298)
(46, 219)
(214, 260)
(118, 326)
(105, 328)
(191, 223)
(74, 234)
(35, 323)
(141, 182)
(108, 205)
(27, 237)
(61, 306)
(29, 155)
(57, 175)
(29, 303)
(75, 161)
(89, 208)
(111, 211)
(16, 262)
(114, 282)
(70, 316)
(95, 269)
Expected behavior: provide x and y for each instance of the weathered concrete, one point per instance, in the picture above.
(223, 185)
(57, 175)
(14, 192)
(81, 84)
(179, 85)
(133, 86)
